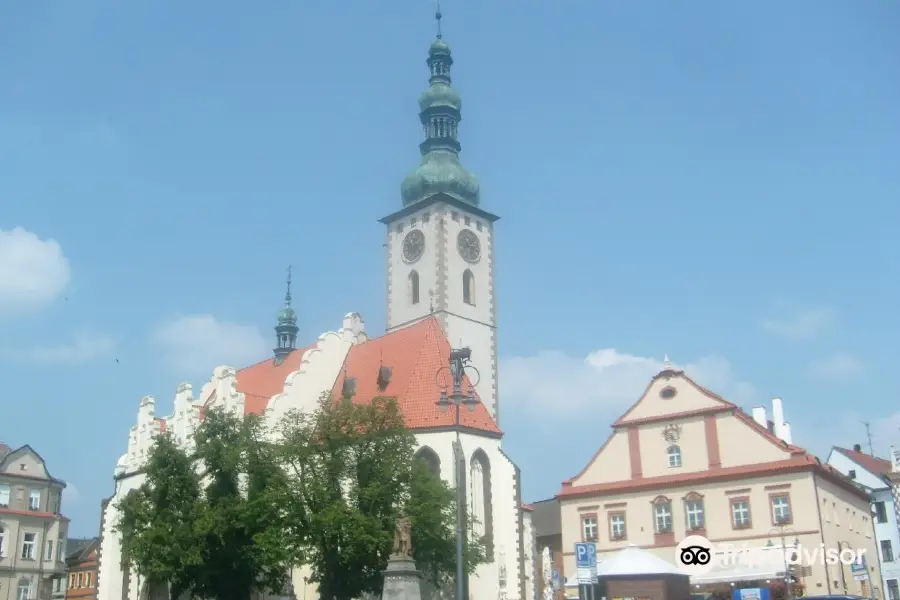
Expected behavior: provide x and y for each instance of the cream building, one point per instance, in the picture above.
(684, 461)
(33, 531)
(440, 287)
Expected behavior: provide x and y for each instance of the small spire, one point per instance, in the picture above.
(437, 18)
(667, 364)
(287, 295)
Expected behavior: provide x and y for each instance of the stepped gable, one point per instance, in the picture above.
(265, 379)
(414, 354)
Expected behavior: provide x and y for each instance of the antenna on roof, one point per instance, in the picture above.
(437, 17)
(869, 436)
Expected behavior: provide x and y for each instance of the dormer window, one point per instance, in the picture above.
(674, 456)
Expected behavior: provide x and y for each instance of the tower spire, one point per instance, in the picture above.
(286, 328)
(440, 111)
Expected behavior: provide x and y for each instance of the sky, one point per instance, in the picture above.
(712, 181)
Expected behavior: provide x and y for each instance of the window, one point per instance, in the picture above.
(880, 513)
(887, 551)
(59, 551)
(23, 592)
(617, 526)
(454, 215)
(693, 507)
(426, 217)
(467, 221)
(413, 287)
(79, 580)
(468, 287)
(87, 580)
(4, 496)
(893, 589)
(2, 542)
(662, 515)
(48, 553)
(781, 508)
(72, 581)
(851, 474)
(740, 513)
(28, 543)
(34, 500)
(674, 456)
(589, 528)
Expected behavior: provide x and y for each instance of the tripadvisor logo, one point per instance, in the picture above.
(696, 555)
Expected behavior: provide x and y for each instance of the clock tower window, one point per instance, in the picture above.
(413, 287)
(468, 287)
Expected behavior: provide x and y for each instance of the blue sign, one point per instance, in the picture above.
(859, 565)
(585, 555)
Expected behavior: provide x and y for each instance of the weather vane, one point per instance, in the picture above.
(437, 17)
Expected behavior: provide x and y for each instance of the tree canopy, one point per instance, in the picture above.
(325, 491)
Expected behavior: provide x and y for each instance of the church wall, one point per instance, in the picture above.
(529, 563)
(111, 578)
(474, 324)
(485, 582)
(400, 308)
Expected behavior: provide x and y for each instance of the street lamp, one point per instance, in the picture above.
(782, 532)
(458, 365)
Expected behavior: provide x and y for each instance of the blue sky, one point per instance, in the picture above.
(715, 181)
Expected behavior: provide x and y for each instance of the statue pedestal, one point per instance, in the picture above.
(401, 580)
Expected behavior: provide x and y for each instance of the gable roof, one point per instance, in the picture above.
(6, 453)
(872, 464)
(799, 460)
(415, 355)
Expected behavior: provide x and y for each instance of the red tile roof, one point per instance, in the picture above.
(872, 464)
(415, 354)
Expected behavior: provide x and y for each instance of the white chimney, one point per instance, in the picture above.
(786, 433)
(759, 415)
(777, 418)
(895, 459)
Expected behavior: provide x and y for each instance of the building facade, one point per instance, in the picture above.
(82, 569)
(545, 518)
(684, 461)
(439, 287)
(32, 529)
(871, 473)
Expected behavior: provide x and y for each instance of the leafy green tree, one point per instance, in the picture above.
(217, 534)
(157, 521)
(351, 475)
(432, 512)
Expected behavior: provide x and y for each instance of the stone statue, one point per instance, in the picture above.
(403, 538)
(547, 572)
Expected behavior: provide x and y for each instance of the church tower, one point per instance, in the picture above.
(286, 328)
(440, 245)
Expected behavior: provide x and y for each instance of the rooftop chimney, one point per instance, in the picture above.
(780, 427)
(759, 415)
(857, 448)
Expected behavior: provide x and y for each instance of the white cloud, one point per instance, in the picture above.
(32, 271)
(803, 325)
(837, 367)
(553, 384)
(86, 346)
(197, 344)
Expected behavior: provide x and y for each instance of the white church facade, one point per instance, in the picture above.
(439, 288)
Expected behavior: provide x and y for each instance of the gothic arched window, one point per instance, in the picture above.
(481, 514)
(413, 288)
(468, 287)
(674, 456)
(430, 458)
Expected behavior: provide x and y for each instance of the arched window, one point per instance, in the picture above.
(468, 287)
(674, 456)
(413, 288)
(694, 512)
(662, 515)
(481, 515)
(430, 458)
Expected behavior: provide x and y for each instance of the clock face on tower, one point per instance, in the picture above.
(468, 245)
(413, 245)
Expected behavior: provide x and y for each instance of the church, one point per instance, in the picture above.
(440, 287)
